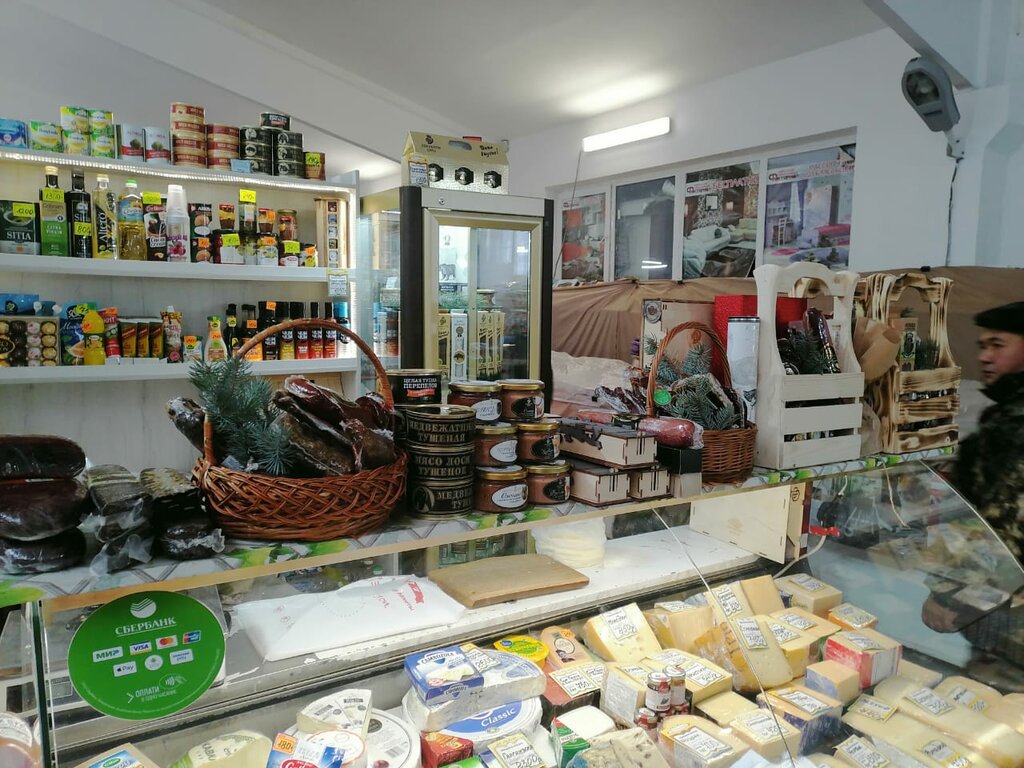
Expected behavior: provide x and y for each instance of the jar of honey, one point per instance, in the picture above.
(496, 445)
(548, 483)
(522, 399)
(500, 489)
(484, 397)
(538, 440)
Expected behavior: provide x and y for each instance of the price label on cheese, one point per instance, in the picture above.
(751, 634)
(862, 754)
(806, 702)
(23, 210)
(727, 600)
(874, 708)
(478, 658)
(945, 754)
(761, 725)
(595, 671)
(863, 642)
(701, 675)
(930, 701)
(670, 657)
(574, 682)
(620, 624)
(809, 583)
(853, 615)
(796, 620)
(82, 229)
(52, 195)
(636, 672)
(515, 752)
(247, 196)
(230, 240)
(782, 635)
(673, 606)
(702, 744)
(967, 698)
(151, 198)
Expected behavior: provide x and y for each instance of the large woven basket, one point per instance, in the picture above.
(263, 507)
(728, 455)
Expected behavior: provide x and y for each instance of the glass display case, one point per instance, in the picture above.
(895, 542)
(457, 281)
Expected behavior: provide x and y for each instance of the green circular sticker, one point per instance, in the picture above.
(146, 656)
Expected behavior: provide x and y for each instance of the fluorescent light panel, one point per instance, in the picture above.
(630, 133)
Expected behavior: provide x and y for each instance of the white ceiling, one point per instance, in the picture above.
(509, 68)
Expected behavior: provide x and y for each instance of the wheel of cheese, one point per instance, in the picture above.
(493, 724)
(348, 741)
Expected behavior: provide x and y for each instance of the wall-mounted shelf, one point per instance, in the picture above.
(64, 265)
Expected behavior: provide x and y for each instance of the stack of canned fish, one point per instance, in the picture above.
(287, 157)
(221, 145)
(254, 145)
(188, 134)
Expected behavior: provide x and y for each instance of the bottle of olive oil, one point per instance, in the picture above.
(53, 216)
(79, 203)
(104, 219)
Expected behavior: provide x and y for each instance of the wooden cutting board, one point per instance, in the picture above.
(500, 579)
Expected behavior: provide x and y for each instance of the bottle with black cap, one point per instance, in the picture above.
(301, 334)
(251, 329)
(268, 309)
(341, 315)
(330, 334)
(286, 339)
(232, 334)
(316, 335)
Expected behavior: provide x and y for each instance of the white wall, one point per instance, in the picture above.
(901, 187)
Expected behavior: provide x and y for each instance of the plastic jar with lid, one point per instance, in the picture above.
(538, 440)
(522, 399)
(496, 445)
(548, 483)
(500, 489)
(484, 397)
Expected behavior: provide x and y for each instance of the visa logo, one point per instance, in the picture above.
(191, 637)
(107, 654)
(136, 648)
(167, 642)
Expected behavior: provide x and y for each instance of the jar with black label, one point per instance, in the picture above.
(538, 440)
(500, 489)
(522, 399)
(496, 445)
(484, 397)
(548, 483)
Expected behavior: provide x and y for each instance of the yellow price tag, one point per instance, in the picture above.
(246, 196)
(312, 159)
(231, 240)
(23, 210)
(52, 195)
(291, 246)
(83, 229)
(151, 198)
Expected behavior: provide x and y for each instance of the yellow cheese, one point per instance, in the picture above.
(762, 594)
(704, 678)
(1018, 697)
(729, 602)
(767, 734)
(748, 649)
(815, 627)
(693, 742)
(1009, 712)
(800, 648)
(809, 593)
(833, 679)
(563, 647)
(996, 741)
(916, 672)
(726, 707)
(677, 625)
(849, 616)
(857, 752)
(621, 635)
(623, 691)
(873, 655)
(968, 693)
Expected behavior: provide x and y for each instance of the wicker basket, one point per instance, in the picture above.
(264, 507)
(728, 455)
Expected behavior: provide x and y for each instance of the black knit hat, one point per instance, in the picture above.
(1009, 318)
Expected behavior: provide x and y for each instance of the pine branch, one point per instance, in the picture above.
(698, 360)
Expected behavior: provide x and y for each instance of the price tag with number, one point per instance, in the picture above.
(52, 195)
(151, 198)
(247, 196)
(337, 284)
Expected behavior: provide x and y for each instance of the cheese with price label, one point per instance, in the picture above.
(968, 693)
(704, 678)
(749, 650)
(693, 742)
(621, 635)
(726, 707)
(858, 753)
(800, 648)
(348, 710)
(814, 714)
(849, 616)
(241, 749)
(678, 625)
(573, 685)
(762, 595)
(728, 602)
(809, 593)
(814, 627)
(874, 656)
(926, 677)
(633, 748)
(563, 647)
(767, 734)
(833, 679)
(623, 692)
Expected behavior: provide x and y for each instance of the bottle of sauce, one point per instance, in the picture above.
(79, 207)
(215, 348)
(232, 334)
(104, 214)
(301, 334)
(270, 345)
(316, 335)
(130, 230)
(330, 334)
(286, 340)
(251, 329)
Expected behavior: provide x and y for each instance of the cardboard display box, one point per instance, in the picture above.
(449, 162)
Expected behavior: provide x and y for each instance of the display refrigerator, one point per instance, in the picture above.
(457, 281)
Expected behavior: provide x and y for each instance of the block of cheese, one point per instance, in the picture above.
(240, 749)
(597, 756)
(849, 616)
(814, 714)
(857, 752)
(704, 678)
(873, 655)
(588, 722)
(633, 748)
(728, 601)
(511, 678)
(833, 679)
(693, 742)
(1018, 697)
(926, 677)
(574, 685)
(809, 593)
(621, 635)
(996, 741)
(813, 626)
(800, 648)
(347, 710)
(749, 650)
(762, 595)
(513, 751)
(726, 707)
(491, 724)
(623, 692)
(563, 647)
(1009, 712)
(126, 755)
(968, 693)
(767, 734)
(677, 625)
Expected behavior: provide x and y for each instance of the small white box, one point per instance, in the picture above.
(607, 444)
(597, 485)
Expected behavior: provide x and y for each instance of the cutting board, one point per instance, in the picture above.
(500, 579)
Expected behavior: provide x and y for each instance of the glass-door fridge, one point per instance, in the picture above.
(457, 281)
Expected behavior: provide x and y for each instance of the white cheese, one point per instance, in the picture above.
(917, 673)
(350, 744)
(598, 756)
(833, 679)
(489, 725)
(241, 749)
(347, 710)
(634, 749)
(1009, 712)
(809, 593)
(588, 722)
(620, 635)
(124, 756)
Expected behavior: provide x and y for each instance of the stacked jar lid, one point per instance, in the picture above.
(221, 145)
(538, 440)
(188, 135)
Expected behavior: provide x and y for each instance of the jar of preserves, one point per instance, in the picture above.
(522, 399)
(538, 440)
(500, 489)
(484, 397)
(548, 483)
(496, 445)
(287, 224)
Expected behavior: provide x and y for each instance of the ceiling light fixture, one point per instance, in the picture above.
(630, 133)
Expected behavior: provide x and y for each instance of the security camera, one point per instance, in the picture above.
(928, 89)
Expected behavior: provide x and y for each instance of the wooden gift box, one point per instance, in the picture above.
(598, 485)
(607, 444)
(902, 399)
(795, 405)
(650, 483)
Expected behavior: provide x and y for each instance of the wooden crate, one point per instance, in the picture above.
(789, 405)
(903, 399)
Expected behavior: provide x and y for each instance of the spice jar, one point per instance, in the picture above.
(522, 399)
(496, 445)
(548, 483)
(484, 397)
(538, 440)
(500, 489)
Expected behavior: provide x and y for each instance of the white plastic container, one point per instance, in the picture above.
(179, 244)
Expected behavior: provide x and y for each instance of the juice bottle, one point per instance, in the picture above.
(104, 219)
(131, 233)
(215, 348)
(79, 207)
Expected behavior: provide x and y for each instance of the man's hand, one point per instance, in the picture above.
(938, 618)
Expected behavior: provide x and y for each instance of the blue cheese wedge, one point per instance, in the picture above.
(634, 749)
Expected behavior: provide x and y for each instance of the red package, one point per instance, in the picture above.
(440, 749)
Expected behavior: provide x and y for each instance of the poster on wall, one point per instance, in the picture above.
(808, 202)
(720, 221)
(583, 237)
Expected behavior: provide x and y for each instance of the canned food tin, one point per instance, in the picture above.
(289, 152)
(254, 149)
(216, 162)
(191, 113)
(196, 145)
(440, 424)
(192, 155)
(186, 125)
(275, 120)
(259, 166)
(189, 135)
(254, 133)
(214, 145)
(190, 164)
(415, 386)
(219, 129)
(440, 499)
(287, 138)
(430, 462)
(288, 168)
(221, 154)
(316, 165)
